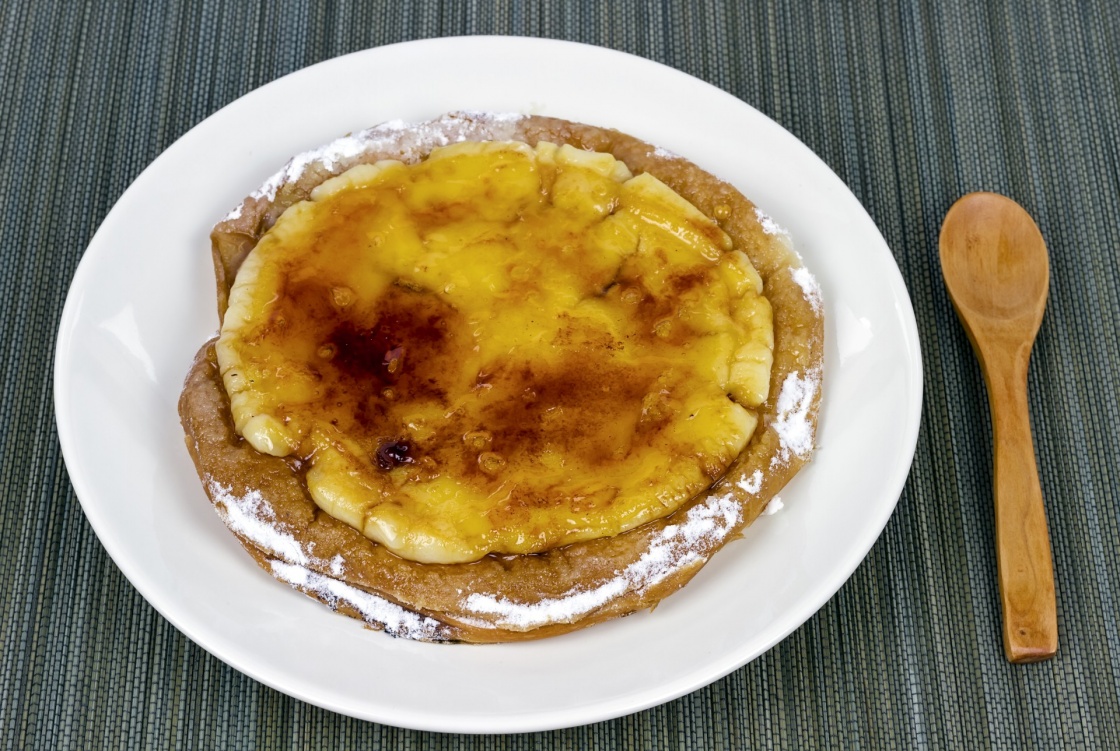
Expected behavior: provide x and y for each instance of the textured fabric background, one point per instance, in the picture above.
(911, 104)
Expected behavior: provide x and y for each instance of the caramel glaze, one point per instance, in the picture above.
(414, 372)
(374, 365)
(408, 351)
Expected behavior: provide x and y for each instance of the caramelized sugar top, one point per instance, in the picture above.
(499, 349)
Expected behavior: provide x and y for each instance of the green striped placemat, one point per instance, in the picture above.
(911, 104)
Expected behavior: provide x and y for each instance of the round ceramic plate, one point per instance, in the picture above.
(142, 302)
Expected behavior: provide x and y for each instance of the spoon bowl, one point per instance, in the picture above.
(994, 262)
(997, 272)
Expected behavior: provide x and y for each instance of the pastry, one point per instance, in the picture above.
(490, 378)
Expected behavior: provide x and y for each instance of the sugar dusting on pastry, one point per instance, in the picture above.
(676, 547)
(251, 517)
(804, 279)
(375, 610)
(793, 423)
(408, 140)
(751, 484)
(774, 506)
(769, 226)
(809, 287)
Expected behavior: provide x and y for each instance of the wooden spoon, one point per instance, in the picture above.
(997, 271)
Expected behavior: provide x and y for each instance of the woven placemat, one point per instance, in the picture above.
(912, 105)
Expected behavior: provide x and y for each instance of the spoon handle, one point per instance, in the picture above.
(1026, 569)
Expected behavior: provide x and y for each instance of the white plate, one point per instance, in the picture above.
(142, 302)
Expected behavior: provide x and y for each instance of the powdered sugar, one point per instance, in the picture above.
(774, 506)
(792, 423)
(769, 226)
(328, 156)
(253, 519)
(500, 117)
(676, 547)
(751, 484)
(393, 138)
(376, 611)
(809, 287)
(664, 153)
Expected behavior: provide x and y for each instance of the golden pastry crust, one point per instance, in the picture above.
(264, 500)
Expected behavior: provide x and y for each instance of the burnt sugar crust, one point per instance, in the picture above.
(264, 500)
